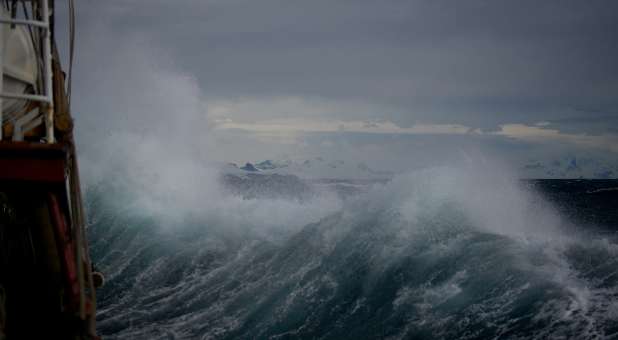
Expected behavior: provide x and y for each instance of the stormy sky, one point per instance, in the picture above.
(392, 83)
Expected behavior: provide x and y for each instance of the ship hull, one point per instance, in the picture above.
(44, 286)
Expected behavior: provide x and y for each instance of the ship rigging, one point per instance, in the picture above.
(47, 285)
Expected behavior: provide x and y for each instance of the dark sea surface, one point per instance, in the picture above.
(421, 257)
(590, 203)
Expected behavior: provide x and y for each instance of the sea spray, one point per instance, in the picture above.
(461, 251)
(429, 255)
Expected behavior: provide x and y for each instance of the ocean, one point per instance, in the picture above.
(429, 255)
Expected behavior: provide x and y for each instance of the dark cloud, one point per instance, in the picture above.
(478, 63)
(473, 62)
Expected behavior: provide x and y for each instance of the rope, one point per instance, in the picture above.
(33, 39)
(71, 47)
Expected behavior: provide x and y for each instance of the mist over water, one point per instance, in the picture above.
(460, 251)
(428, 255)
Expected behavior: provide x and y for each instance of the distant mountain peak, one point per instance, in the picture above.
(316, 168)
(249, 167)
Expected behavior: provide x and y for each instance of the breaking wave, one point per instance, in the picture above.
(441, 253)
(453, 252)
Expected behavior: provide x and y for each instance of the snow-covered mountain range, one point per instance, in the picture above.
(311, 169)
(566, 167)
(571, 167)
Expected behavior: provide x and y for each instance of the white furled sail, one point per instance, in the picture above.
(19, 66)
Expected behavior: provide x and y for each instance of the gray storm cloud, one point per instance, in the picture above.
(477, 64)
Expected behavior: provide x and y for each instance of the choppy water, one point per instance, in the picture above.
(429, 255)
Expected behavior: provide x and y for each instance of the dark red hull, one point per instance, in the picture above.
(45, 272)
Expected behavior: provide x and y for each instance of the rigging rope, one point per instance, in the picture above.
(71, 47)
(35, 41)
